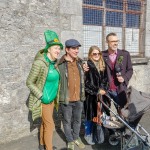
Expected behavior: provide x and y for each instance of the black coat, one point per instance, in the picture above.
(94, 81)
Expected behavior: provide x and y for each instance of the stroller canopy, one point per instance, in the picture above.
(138, 103)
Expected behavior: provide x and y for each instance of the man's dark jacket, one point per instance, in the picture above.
(123, 61)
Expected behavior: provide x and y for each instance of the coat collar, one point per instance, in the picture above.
(91, 64)
(106, 56)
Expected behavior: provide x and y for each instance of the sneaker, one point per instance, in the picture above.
(70, 146)
(54, 148)
(79, 143)
(89, 139)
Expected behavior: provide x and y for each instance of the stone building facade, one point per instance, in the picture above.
(22, 25)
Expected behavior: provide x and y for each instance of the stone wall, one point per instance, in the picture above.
(147, 29)
(22, 25)
(141, 71)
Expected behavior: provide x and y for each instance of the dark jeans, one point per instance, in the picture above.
(114, 96)
(72, 119)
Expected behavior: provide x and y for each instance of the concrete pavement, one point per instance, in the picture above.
(31, 142)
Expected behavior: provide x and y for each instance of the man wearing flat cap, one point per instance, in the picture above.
(71, 94)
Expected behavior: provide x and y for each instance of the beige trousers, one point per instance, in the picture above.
(47, 126)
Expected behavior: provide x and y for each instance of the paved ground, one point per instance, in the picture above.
(31, 142)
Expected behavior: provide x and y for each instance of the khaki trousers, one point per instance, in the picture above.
(47, 126)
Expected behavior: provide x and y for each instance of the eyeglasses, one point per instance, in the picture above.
(96, 54)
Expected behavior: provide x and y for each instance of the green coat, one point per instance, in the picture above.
(35, 82)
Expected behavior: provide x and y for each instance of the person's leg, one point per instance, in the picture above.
(66, 111)
(114, 96)
(77, 113)
(42, 144)
(48, 125)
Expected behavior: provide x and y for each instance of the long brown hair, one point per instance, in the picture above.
(101, 60)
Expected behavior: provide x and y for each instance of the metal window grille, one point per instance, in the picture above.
(124, 17)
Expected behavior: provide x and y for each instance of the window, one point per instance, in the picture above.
(90, 15)
(124, 17)
(95, 2)
(112, 19)
(114, 4)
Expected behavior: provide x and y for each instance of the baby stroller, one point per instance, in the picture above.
(129, 132)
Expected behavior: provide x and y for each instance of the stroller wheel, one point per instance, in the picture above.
(113, 140)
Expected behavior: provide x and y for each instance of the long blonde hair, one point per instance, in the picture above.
(101, 60)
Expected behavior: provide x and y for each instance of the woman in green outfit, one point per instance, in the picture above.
(43, 82)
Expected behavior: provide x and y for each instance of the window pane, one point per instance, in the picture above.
(134, 5)
(92, 17)
(132, 40)
(116, 11)
(93, 2)
(114, 19)
(132, 21)
(114, 4)
(92, 36)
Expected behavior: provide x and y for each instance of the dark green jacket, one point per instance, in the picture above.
(64, 90)
(35, 82)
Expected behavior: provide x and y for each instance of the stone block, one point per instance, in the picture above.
(147, 51)
(72, 7)
(51, 6)
(76, 23)
(65, 22)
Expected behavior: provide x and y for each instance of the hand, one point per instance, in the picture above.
(120, 79)
(85, 67)
(102, 92)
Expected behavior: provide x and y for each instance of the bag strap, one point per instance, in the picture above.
(98, 119)
(99, 113)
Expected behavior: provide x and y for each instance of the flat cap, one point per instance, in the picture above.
(72, 43)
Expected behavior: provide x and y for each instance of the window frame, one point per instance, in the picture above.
(124, 11)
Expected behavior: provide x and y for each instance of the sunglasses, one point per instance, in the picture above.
(96, 54)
